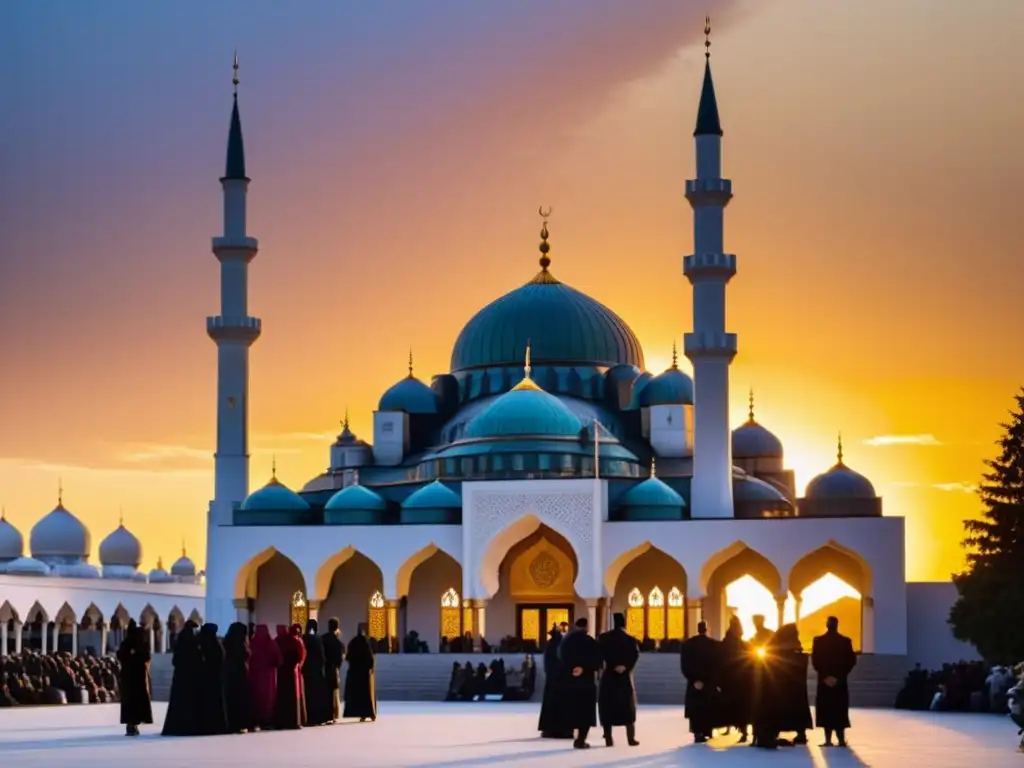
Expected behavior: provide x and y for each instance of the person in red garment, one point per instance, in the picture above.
(264, 660)
(290, 711)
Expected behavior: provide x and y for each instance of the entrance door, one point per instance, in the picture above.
(533, 622)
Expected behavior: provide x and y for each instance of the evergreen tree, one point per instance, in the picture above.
(989, 612)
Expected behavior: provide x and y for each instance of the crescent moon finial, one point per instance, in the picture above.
(544, 213)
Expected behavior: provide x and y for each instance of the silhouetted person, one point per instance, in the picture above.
(552, 718)
(237, 700)
(289, 711)
(735, 681)
(782, 704)
(136, 707)
(360, 685)
(581, 658)
(211, 685)
(454, 682)
(264, 661)
(184, 713)
(468, 690)
(699, 659)
(833, 659)
(762, 635)
(616, 697)
(318, 695)
(334, 656)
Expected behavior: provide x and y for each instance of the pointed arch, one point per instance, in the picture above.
(344, 585)
(245, 579)
(737, 560)
(403, 579)
(505, 539)
(325, 573)
(832, 557)
(423, 581)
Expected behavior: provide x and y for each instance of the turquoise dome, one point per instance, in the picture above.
(274, 496)
(437, 495)
(562, 325)
(525, 410)
(673, 387)
(355, 498)
(652, 492)
(840, 482)
(410, 395)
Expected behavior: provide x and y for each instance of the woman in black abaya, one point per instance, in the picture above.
(133, 654)
(551, 724)
(211, 686)
(236, 679)
(318, 695)
(183, 709)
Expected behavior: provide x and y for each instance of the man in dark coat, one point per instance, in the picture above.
(334, 656)
(184, 711)
(237, 699)
(290, 708)
(699, 660)
(735, 681)
(360, 688)
(581, 658)
(318, 695)
(211, 684)
(551, 724)
(133, 654)
(833, 659)
(616, 696)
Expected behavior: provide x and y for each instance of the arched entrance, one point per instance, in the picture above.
(832, 581)
(742, 582)
(355, 595)
(433, 604)
(651, 591)
(271, 587)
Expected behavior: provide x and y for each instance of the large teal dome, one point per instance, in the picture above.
(274, 496)
(562, 325)
(525, 410)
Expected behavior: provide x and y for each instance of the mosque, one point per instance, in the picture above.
(546, 475)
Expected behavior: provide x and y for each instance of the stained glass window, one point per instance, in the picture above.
(656, 615)
(299, 613)
(676, 614)
(530, 619)
(635, 614)
(451, 614)
(377, 618)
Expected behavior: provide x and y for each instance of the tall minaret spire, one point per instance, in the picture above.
(709, 347)
(233, 330)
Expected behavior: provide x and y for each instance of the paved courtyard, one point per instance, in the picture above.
(418, 735)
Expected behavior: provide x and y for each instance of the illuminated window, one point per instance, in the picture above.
(656, 615)
(676, 614)
(635, 614)
(299, 610)
(377, 619)
(467, 616)
(451, 614)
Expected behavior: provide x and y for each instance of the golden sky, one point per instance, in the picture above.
(875, 153)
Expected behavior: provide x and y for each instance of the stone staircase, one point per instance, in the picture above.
(424, 677)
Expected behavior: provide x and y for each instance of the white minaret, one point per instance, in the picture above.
(709, 347)
(233, 331)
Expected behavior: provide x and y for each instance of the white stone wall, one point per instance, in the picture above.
(930, 641)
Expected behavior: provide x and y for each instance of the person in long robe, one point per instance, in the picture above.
(214, 719)
(334, 657)
(581, 658)
(467, 691)
(552, 719)
(136, 706)
(237, 701)
(616, 695)
(289, 712)
(833, 659)
(699, 660)
(736, 681)
(184, 707)
(782, 705)
(360, 686)
(318, 695)
(263, 665)
(454, 682)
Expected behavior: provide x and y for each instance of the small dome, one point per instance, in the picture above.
(355, 498)
(673, 387)
(437, 495)
(183, 567)
(752, 441)
(274, 496)
(652, 492)
(26, 566)
(121, 548)
(840, 482)
(12, 544)
(158, 575)
(410, 395)
(525, 410)
(60, 534)
(748, 488)
(79, 570)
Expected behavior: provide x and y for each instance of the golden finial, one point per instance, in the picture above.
(544, 247)
(410, 362)
(160, 563)
(3, 513)
(234, 79)
(653, 467)
(183, 547)
(707, 37)
(839, 450)
(527, 382)
(120, 516)
(750, 405)
(60, 492)
(527, 368)
(273, 467)
(675, 356)
(344, 424)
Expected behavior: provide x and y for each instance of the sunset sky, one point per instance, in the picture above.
(399, 152)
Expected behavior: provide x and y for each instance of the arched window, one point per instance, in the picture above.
(656, 615)
(676, 614)
(299, 613)
(377, 619)
(451, 614)
(635, 624)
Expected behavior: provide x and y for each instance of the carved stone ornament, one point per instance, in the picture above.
(544, 570)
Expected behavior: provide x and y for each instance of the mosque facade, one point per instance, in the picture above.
(547, 475)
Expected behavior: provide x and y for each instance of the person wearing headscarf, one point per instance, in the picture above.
(318, 695)
(360, 688)
(184, 710)
(551, 724)
(290, 712)
(264, 660)
(236, 679)
(334, 657)
(134, 656)
(454, 682)
(214, 716)
(616, 696)
(581, 658)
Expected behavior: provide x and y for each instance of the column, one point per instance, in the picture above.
(391, 607)
(164, 638)
(780, 603)
(479, 608)
(592, 607)
(694, 614)
(74, 638)
(242, 610)
(867, 625)
(799, 608)
(44, 631)
(3, 639)
(314, 612)
(152, 639)
(19, 630)
(103, 638)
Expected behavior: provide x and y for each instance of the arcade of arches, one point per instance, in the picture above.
(536, 590)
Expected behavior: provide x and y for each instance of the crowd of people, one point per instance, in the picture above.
(493, 682)
(966, 686)
(30, 678)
